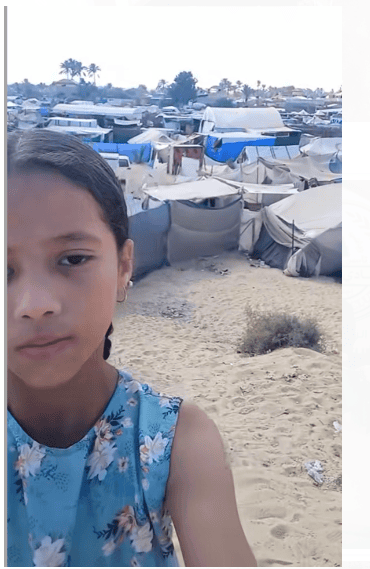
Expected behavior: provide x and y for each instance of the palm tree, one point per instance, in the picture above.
(77, 69)
(67, 67)
(225, 85)
(93, 70)
(247, 92)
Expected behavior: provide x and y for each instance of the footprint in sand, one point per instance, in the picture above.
(272, 512)
(280, 531)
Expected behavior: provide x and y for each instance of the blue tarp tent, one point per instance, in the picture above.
(225, 146)
(133, 151)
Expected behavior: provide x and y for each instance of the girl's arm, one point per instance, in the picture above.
(200, 496)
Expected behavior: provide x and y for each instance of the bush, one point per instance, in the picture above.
(268, 331)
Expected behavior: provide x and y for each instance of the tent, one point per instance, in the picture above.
(216, 118)
(303, 167)
(292, 223)
(205, 217)
(133, 151)
(321, 256)
(148, 228)
(222, 147)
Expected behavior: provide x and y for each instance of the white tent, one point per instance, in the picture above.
(246, 118)
(195, 190)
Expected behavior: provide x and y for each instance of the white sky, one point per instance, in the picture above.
(132, 44)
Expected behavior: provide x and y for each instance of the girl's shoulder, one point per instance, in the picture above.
(145, 394)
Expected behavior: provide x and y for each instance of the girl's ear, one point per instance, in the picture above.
(126, 264)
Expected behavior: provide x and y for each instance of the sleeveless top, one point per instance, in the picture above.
(100, 501)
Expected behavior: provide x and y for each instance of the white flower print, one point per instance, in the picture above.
(133, 386)
(100, 459)
(123, 463)
(127, 423)
(141, 538)
(132, 402)
(29, 459)
(165, 402)
(109, 547)
(145, 484)
(126, 519)
(154, 517)
(152, 449)
(103, 432)
(166, 524)
(49, 553)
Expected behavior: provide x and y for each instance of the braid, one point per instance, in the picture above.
(108, 343)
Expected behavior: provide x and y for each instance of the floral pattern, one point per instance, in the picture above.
(115, 476)
(49, 554)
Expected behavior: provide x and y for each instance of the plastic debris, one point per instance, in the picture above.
(337, 427)
(314, 469)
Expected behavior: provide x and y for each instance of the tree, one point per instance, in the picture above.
(86, 90)
(66, 67)
(223, 102)
(77, 69)
(162, 84)
(93, 71)
(247, 92)
(225, 85)
(183, 88)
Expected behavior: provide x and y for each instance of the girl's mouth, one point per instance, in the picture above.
(49, 350)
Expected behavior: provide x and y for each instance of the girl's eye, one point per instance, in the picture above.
(74, 260)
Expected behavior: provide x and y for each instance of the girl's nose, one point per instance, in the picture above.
(36, 303)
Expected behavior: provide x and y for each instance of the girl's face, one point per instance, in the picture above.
(64, 273)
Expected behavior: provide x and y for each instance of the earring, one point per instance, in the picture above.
(125, 296)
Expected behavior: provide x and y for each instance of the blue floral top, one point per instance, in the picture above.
(100, 501)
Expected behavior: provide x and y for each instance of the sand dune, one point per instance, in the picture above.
(178, 332)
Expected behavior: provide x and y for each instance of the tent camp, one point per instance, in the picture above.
(291, 224)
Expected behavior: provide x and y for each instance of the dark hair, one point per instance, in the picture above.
(66, 154)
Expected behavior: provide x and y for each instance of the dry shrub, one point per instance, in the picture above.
(268, 331)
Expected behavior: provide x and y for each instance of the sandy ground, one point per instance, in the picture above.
(179, 330)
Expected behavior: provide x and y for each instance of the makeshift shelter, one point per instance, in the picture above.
(257, 121)
(205, 218)
(222, 147)
(314, 167)
(135, 152)
(148, 228)
(291, 224)
(321, 256)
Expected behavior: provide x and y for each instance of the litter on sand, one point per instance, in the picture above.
(337, 426)
(314, 469)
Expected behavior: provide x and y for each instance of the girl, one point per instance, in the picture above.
(98, 464)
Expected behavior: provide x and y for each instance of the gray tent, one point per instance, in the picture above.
(148, 229)
(205, 217)
(322, 255)
(309, 221)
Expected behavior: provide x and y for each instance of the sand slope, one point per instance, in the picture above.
(179, 330)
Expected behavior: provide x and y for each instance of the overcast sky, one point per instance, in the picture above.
(134, 42)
